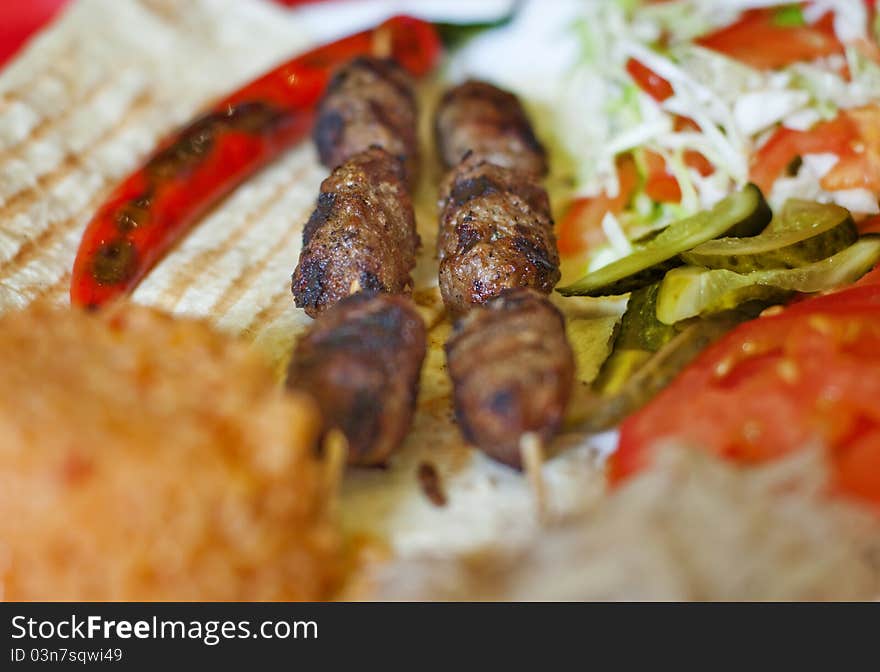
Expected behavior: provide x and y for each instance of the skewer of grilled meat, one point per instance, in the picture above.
(512, 371)
(495, 232)
(369, 102)
(362, 234)
(361, 237)
(496, 229)
(362, 356)
(510, 362)
(490, 124)
(361, 361)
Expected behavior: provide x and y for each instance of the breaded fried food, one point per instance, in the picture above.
(144, 457)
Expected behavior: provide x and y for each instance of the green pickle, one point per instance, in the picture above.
(804, 232)
(692, 290)
(604, 408)
(744, 213)
(675, 311)
(638, 336)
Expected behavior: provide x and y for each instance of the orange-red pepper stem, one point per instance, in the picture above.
(197, 166)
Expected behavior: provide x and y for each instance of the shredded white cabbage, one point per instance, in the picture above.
(735, 107)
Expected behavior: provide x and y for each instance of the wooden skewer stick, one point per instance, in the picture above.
(335, 449)
(532, 451)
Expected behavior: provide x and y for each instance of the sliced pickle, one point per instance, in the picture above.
(804, 232)
(744, 213)
(691, 290)
(639, 327)
(597, 411)
(638, 336)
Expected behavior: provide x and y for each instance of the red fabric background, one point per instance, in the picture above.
(19, 19)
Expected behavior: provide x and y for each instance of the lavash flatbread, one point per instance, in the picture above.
(89, 98)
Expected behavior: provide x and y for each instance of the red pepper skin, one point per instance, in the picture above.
(197, 166)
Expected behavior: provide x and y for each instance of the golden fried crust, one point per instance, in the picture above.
(147, 458)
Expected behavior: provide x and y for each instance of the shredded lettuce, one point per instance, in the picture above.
(735, 107)
(789, 15)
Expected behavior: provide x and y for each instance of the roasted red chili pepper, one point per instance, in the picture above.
(195, 167)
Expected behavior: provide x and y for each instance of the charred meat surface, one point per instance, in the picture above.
(490, 124)
(369, 102)
(361, 236)
(512, 370)
(361, 361)
(496, 232)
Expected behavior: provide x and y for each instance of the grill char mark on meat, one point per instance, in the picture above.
(495, 232)
(510, 362)
(361, 236)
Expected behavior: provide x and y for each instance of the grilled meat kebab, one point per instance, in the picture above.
(512, 370)
(362, 357)
(361, 361)
(496, 232)
(510, 362)
(489, 123)
(369, 102)
(361, 236)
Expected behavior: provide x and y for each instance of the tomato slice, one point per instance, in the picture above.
(870, 225)
(580, 229)
(785, 145)
(761, 41)
(859, 165)
(660, 184)
(853, 135)
(649, 81)
(776, 385)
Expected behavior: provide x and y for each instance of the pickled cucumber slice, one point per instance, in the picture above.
(637, 337)
(691, 290)
(598, 410)
(744, 213)
(639, 327)
(803, 233)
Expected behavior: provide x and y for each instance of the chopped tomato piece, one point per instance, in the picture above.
(649, 81)
(660, 184)
(859, 165)
(786, 145)
(870, 225)
(581, 227)
(692, 158)
(807, 376)
(761, 41)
